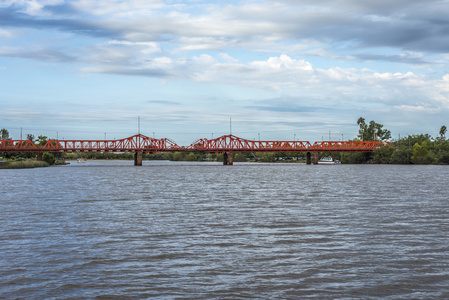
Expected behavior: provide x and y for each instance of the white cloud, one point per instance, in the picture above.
(227, 58)
(6, 33)
(144, 47)
(32, 7)
(446, 78)
(342, 75)
(118, 8)
(283, 74)
(283, 62)
(418, 108)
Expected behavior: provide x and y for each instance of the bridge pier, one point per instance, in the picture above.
(138, 158)
(308, 158)
(227, 159)
(39, 156)
(315, 158)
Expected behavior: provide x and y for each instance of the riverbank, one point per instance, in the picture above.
(25, 164)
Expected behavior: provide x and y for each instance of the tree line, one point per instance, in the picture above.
(411, 149)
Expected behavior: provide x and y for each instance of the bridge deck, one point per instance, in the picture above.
(226, 143)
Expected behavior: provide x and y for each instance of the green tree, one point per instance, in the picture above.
(30, 137)
(361, 122)
(383, 154)
(443, 131)
(356, 158)
(441, 148)
(421, 154)
(402, 155)
(48, 158)
(444, 158)
(42, 140)
(179, 156)
(4, 134)
(240, 157)
(372, 131)
(268, 157)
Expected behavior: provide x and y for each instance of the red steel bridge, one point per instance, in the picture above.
(226, 144)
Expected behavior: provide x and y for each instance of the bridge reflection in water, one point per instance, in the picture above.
(226, 144)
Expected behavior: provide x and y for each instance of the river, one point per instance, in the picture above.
(178, 230)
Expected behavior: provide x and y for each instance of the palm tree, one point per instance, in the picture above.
(361, 122)
(443, 131)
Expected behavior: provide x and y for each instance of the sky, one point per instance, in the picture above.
(184, 70)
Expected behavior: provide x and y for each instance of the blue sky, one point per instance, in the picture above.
(280, 69)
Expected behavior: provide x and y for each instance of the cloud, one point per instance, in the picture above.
(147, 47)
(33, 7)
(290, 76)
(6, 33)
(406, 58)
(291, 105)
(128, 71)
(118, 8)
(417, 108)
(274, 60)
(38, 54)
(411, 25)
(163, 102)
(13, 17)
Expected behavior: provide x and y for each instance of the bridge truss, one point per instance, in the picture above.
(227, 143)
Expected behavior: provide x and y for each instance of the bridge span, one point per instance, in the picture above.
(226, 144)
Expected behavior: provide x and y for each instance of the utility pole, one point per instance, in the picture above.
(230, 125)
(375, 132)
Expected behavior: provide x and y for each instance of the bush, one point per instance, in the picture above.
(383, 154)
(421, 154)
(403, 155)
(48, 158)
(444, 158)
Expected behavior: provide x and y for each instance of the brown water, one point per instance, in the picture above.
(109, 230)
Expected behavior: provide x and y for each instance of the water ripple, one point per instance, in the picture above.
(108, 230)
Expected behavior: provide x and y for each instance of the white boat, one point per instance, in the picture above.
(328, 161)
(81, 160)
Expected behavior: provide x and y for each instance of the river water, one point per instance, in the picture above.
(174, 230)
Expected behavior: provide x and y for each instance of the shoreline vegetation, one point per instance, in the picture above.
(24, 164)
(412, 149)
